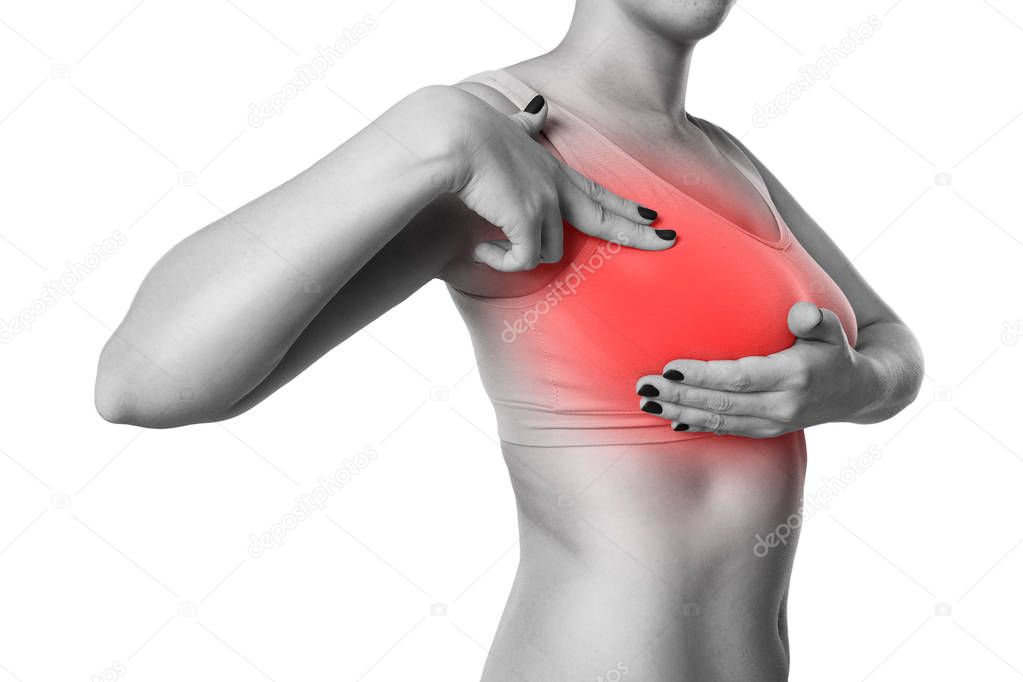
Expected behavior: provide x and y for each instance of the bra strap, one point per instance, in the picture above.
(512, 88)
(559, 131)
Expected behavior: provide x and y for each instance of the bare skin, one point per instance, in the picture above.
(631, 558)
(643, 557)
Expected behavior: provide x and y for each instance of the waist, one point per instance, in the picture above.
(645, 626)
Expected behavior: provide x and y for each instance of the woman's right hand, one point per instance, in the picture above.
(514, 183)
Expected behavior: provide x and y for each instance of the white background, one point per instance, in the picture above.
(123, 552)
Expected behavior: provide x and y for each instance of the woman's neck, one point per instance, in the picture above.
(613, 57)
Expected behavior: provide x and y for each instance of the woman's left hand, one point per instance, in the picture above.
(819, 379)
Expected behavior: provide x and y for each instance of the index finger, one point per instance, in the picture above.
(594, 218)
(626, 208)
(745, 375)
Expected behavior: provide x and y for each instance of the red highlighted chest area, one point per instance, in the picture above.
(613, 314)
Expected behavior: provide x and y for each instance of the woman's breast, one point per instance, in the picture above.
(561, 364)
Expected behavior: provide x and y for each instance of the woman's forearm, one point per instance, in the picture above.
(219, 310)
(893, 369)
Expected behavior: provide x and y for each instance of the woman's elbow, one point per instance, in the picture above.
(138, 402)
(132, 392)
(907, 375)
(112, 404)
(914, 367)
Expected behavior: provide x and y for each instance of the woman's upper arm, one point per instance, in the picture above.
(416, 255)
(869, 307)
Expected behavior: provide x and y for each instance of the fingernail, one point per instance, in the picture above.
(648, 391)
(674, 375)
(681, 427)
(535, 105)
(647, 213)
(652, 407)
(666, 235)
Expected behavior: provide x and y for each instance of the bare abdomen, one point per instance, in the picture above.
(645, 559)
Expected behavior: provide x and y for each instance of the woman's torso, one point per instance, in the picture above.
(640, 544)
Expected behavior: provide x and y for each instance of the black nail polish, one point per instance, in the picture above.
(647, 213)
(674, 375)
(666, 235)
(535, 105)
(648, 391)
(653, 408)
(681, 427)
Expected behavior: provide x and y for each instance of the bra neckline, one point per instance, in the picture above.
(784, 234)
